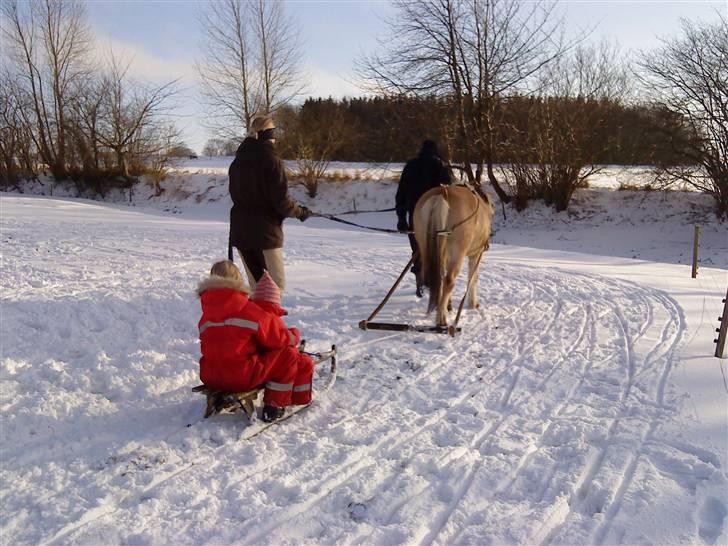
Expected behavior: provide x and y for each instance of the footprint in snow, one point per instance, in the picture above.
(712, 518)
(357, 511)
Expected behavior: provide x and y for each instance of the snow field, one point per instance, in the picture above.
(557, 417)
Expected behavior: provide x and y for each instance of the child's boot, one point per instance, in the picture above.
(272, 413)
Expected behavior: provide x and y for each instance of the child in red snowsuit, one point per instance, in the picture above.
(244, 345)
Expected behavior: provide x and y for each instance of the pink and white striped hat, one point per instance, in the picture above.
(267, 290)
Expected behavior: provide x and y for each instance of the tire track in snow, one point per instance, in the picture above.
(510, 479)
(479, 439)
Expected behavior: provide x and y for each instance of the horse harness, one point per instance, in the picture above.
(478, 199)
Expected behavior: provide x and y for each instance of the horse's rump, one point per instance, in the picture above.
(450, 224)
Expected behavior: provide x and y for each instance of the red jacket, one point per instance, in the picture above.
(233, 333)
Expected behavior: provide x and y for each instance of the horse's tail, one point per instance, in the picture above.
(436, 210)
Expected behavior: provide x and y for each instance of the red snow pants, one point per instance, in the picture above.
(286, 374)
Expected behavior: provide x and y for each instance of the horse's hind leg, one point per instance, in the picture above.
(448, 285)
(473, 291)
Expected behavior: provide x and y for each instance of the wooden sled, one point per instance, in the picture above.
(230, 401)
(222, 401)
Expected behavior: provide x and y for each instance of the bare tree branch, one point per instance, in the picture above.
(250, 63)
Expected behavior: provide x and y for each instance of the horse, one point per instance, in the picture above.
(450, 223)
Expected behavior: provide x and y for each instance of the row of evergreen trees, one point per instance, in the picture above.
(391, 129)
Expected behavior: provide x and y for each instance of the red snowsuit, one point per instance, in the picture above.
(244, 346)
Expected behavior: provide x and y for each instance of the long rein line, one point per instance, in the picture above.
(335, 219)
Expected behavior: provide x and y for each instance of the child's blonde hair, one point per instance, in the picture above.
(227, 270)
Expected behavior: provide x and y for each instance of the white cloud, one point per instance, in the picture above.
(143, 63)
(323, 83)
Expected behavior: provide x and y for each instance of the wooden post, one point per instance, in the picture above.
(720, 348)
(696, 242)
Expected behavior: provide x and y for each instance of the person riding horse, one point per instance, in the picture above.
(419, 175)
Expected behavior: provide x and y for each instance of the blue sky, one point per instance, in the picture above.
(163, 37)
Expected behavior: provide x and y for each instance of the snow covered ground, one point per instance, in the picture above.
(580, 405)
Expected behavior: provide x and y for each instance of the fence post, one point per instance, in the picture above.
(722, 330)
(696, 242)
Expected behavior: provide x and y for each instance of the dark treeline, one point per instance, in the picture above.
(383, 129)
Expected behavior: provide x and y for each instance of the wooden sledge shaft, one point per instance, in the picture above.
(366, 325)
(469, 286)
(394, 287)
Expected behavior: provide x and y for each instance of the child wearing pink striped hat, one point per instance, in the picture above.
(267, 296)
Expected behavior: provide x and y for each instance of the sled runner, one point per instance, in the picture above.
(229, 402)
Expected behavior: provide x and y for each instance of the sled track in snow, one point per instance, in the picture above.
(490, 405)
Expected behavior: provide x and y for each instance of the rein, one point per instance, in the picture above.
(355, 211)
(335, 219)
(472, 214)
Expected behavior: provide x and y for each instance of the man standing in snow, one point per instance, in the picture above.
(259, 190)
(420, 174)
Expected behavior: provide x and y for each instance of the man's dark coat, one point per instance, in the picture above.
(259, 190)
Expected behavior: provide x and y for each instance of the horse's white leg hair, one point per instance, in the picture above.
(473, 292)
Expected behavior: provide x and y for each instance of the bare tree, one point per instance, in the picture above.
(556, 153)
(279, 55)
(315, 136)
(475, 51)
(130, 111)
(155, 147)
(48, 44)
(15, 142)
(688, 75)
(87, 111)
(250, 63)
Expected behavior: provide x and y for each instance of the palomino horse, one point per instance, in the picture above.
(450, 223)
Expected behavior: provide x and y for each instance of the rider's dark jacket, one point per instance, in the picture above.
(420, 174)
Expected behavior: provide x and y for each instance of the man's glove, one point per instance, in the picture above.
(402, 225)
(304, 213)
